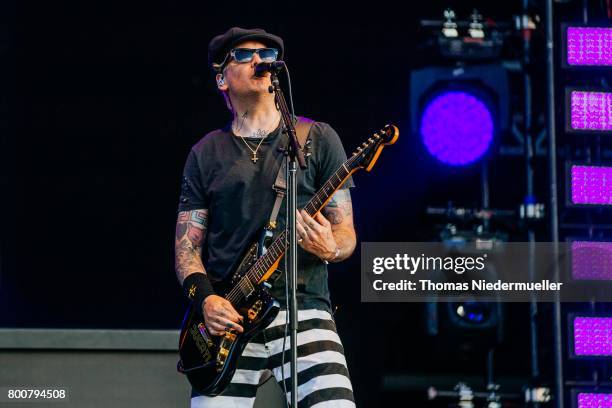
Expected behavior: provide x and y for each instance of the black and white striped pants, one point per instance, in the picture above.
(323, 378)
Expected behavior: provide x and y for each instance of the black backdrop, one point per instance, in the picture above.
(109, 97)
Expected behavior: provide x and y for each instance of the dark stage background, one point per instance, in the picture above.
(108, 99)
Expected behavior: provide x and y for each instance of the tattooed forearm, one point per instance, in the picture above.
(339, 207)
(346, 240)
(190, 234)
(339, 212)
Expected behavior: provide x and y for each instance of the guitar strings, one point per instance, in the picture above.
(234, 295)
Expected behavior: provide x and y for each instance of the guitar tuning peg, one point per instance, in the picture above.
(376, 136)
(370, 140)
(364, 144)
(359, 149)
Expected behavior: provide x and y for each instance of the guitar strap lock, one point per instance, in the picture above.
(302, 130)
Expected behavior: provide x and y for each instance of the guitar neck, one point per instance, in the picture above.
(329, 188)
(260, 269)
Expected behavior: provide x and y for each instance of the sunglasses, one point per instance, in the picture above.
(246, 54)
(242, 55)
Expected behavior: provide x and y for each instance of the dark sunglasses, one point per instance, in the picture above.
(246, 54)
(242, 55)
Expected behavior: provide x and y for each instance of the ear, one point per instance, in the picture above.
(221, 85)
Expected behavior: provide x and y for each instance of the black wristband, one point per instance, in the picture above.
(197, 287)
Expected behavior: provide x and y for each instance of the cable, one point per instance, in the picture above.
(290, 91)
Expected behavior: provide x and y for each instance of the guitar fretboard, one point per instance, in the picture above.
(279, 246)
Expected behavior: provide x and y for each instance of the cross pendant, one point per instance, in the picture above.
(254, 158)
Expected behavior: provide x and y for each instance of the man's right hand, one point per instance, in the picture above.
(220, 315)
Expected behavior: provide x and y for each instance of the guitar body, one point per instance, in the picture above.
(209, 362)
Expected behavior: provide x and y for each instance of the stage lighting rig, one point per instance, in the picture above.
(473, 39)
(476, 27)
(464, 396)
(449, 27)
(458, 111)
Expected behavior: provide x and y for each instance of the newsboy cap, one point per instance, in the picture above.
(220, 45)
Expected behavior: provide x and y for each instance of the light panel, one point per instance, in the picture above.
(591, 185)
(591, 260)
(589, 46)
(590, 111)
(592, 336)
(593, 400)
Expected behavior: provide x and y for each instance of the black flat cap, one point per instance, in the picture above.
(222, 44)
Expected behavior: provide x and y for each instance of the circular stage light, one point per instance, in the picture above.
(457, 127)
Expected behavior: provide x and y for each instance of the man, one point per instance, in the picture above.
(227, 196)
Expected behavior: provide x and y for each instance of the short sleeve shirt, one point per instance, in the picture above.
(220, 176)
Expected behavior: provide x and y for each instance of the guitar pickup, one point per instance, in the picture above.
(246, 287)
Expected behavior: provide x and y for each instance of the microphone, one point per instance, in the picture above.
(263, 67)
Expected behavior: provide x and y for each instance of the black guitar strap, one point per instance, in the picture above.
(302, 129)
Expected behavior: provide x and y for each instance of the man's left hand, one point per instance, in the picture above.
(315, 235)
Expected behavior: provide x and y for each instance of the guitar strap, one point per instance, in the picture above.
(302, 130)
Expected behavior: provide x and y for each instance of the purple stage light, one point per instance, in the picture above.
(593, 336)
(591, 260)
(591, 185)
(589, 46)
(457, 127)
(591, 111)
(594, 400)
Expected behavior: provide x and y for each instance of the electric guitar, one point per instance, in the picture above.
(209, 362)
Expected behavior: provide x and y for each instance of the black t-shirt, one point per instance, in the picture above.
(220, 176)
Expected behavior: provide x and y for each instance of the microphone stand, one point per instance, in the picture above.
(294, 157)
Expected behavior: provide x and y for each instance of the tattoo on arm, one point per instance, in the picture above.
(339, 212)
(190, 234)
(339, 207)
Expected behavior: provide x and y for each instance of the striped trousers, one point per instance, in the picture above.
(323, 378)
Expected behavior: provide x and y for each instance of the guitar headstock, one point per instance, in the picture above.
(366, 155)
